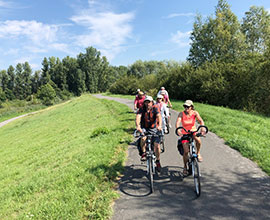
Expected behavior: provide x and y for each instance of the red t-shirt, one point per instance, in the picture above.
(139, 101)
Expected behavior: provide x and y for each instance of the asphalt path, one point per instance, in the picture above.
(233, 187)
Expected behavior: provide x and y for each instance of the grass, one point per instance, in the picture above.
(246, 132)
(16, 108)
(62, 163)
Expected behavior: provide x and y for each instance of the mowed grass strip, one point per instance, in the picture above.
(246, 132)
(62, 163)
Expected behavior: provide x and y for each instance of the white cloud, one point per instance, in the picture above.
(5, 4)
(180, 15)
(107, 31)
(181, 38)
(35, 31)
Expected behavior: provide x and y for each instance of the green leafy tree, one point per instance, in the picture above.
(19, 93)
(46, 94)
(45, 76)
(256, 28)
(218, 38)
(89, 63)
(26, 80)
(35, 81)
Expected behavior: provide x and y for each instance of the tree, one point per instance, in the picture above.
(26, 80)
(218, 38)
(11, 82)
(45, 76)
(256, 28)
(46, 94)
(19, 81)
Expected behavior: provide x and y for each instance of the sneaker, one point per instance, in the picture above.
(143, 157)
(158, 166)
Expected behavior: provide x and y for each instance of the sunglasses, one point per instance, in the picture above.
(185, 106)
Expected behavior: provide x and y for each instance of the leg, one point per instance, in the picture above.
(198, 147)
(185, 155)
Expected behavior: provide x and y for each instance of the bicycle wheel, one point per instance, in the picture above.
(150, 173)
(196, 175)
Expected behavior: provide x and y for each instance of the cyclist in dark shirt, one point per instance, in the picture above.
(149, 118)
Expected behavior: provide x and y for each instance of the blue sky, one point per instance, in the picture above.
(122, 30)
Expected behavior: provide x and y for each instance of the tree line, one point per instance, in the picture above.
(88, 72)
(228, 65)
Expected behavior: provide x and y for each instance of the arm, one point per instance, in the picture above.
(135, 103)
(138, 122)
(178, 122)
(200, 120)
(159, 120)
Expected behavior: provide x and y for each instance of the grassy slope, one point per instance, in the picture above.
(61, 163)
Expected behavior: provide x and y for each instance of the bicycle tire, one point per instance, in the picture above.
(196, 176)
(150, 173)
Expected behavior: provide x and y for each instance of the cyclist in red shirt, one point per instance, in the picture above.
(139, 99)
(188, 118)
(149, 118)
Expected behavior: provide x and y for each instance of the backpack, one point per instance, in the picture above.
(180, 146)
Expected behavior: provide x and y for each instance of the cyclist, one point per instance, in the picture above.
(162, 108)
(168, 103)
(188, 118)
(149, 118)
(139, 99)
(163, 89)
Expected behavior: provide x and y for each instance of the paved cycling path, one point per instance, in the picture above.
(233, 187)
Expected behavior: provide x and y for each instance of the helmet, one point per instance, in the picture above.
(159, 97)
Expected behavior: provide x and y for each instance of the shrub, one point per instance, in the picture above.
(46, 94)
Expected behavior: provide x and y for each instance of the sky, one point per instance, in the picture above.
(122, 30)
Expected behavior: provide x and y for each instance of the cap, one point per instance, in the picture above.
(148, 98)
(188, 103)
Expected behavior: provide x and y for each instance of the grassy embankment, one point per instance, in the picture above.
(62, 163)
(16, 108)
(248, 133)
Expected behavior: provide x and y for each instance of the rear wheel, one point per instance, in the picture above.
(196, 175)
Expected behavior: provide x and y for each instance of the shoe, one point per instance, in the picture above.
(158, 166)
(143, 157)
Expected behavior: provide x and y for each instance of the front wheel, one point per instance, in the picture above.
(196, 175)
(150, 173)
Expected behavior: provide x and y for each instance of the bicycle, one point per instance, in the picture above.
(193, 166)
(150, 155)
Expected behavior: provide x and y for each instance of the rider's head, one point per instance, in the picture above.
(159, 98)
(140, 93)
(188, 104)
(148, 101)
(162, 88)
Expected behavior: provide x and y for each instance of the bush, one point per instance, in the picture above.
(46, 94)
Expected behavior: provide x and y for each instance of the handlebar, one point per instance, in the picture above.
(192, 132)
(137, 134)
